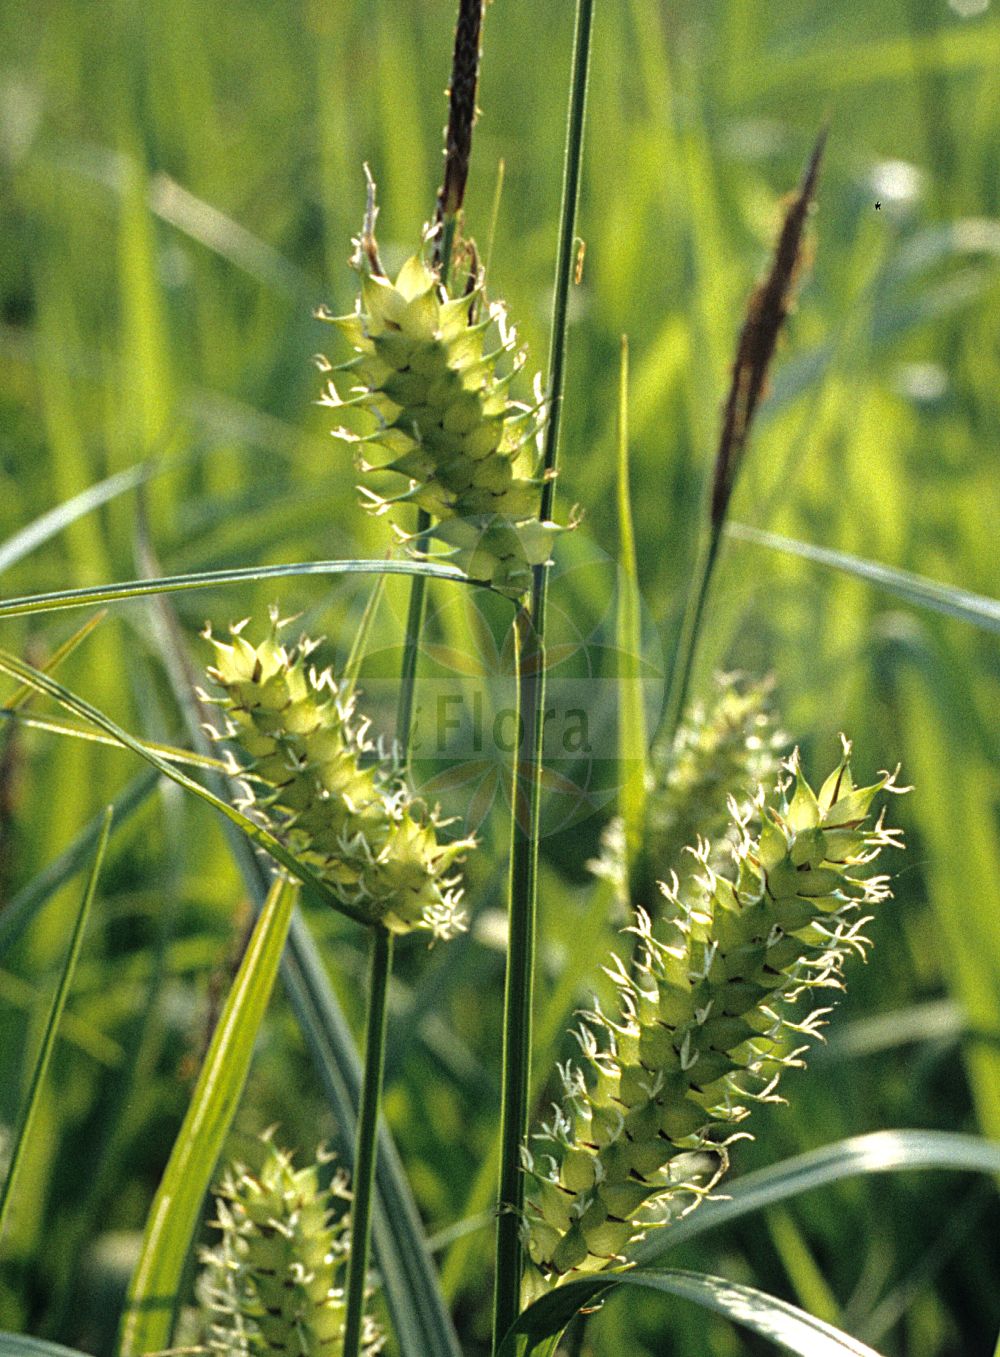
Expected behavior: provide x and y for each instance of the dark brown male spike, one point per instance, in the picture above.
(461, 118)
(767, 310)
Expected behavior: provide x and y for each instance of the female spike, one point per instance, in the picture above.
(705, 1024)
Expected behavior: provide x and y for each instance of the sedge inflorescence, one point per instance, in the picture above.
(341, 805)
(706, 1023)
(723, 749)
(445, 424)
(273, 1283)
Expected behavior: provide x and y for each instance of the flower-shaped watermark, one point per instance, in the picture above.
(469, 743)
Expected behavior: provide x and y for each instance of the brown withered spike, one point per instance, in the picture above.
(461, 110)
(766, 312)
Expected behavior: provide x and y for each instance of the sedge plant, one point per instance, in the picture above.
(745, 885)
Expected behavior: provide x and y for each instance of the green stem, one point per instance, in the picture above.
(366, 1143)
(530, 635)
(22, 1139)
(687, 645)
(566, 255)
(411, 649)
(518, 992)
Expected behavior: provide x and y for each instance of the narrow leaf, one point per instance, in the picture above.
(536, 1333)
(23, 1136)
(20, 1345)
(10, 664)
(880, 1152)
(63, 652)
(53, 725)
(49, 524)
(205, 579)
(352, 668)
(783, 1324)
(628, 628)
(922, 592)
(174, 1214)
(19, 912)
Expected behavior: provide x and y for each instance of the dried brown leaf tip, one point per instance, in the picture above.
(767, 309)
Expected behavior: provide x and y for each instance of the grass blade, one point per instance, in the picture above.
(783, 1324)
(20, 1345)
(200, 221)
(53, 522)
(173, 1216)
(10, 664)
(880, 1152)
(173, 584)
(536, 1333)
(420, 1318)
(631, 713)
(53, 662)
(977, 609)
(355, 658)
(530, 641)
(52, 725)
(19, 912)
(23, 1135)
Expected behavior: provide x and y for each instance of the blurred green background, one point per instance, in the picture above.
(180, 185)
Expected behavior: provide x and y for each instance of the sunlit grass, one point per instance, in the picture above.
(181, 188)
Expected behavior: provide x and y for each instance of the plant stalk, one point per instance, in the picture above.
(411, 646)
(380, 969)
(366, 1144)
(22, 1138)
(687, 644)
(530, 636)
(382, 943)
(766, 312)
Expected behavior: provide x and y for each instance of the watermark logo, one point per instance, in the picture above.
(470, 745)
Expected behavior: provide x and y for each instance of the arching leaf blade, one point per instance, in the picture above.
(147, 1321)
(262, 837)
(536, 1333)
(54, 725)
(205, 579)
(21, 1345)
(54, 521)
(880, 1152)
(918, 590)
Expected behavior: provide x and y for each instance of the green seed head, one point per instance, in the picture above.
(273, 1283)
(340, 805)
(706, 1021)
(723, 750)
(425, 368)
